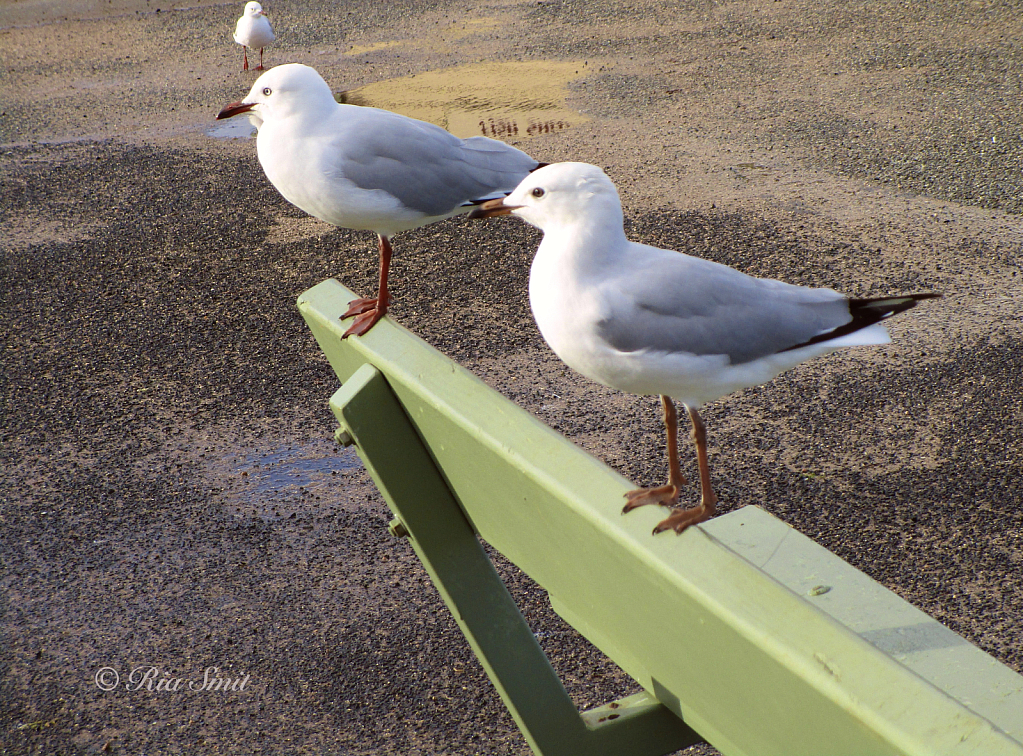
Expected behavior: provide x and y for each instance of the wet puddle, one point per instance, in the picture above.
(276, 484)
(233, 128)
(517, 99)
(500, 100)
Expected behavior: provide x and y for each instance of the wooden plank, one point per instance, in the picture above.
(914, 639)
(456, 562)
(751, 665)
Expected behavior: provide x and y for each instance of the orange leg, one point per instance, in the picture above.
(683, 518)
(666, 495)
(369, 311)
(260, 66)
(245, 58)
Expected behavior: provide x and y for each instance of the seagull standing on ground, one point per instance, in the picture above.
(370, 169)
(253, 30)
(657, 322)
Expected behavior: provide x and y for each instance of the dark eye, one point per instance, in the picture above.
(539, 192)
(267, 91)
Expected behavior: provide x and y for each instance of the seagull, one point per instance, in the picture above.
(369, 169)
(253, 30)
(657, 322)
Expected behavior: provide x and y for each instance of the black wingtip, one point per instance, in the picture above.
(884, 307)
(867, 312)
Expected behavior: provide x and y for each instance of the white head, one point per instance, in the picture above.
(253, 9)
(284, 91)
(560, 194)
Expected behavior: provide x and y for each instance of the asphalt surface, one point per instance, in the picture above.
(171, 497)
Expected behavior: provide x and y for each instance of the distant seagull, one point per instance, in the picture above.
(369, 169)
(656, 322)
(253, 30)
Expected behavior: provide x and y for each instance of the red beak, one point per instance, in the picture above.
(492, 208)
(233, 109)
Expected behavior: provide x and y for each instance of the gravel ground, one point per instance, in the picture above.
(170, 495)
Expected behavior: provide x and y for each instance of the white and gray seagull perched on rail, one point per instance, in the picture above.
(370, 169)
(657, 322)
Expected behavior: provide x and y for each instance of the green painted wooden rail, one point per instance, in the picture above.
(741, 631)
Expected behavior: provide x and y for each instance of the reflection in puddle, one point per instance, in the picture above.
(485, 99)
(273, 485)
(273, 473)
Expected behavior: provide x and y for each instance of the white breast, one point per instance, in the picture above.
(305, 171)
(253, 32)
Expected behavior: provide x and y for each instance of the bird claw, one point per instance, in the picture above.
(363, 305)
(684, 518)
(363, 323)
(666, 496)
(359, 306)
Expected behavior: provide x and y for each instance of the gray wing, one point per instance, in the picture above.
(424, 166)
(676, 303)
